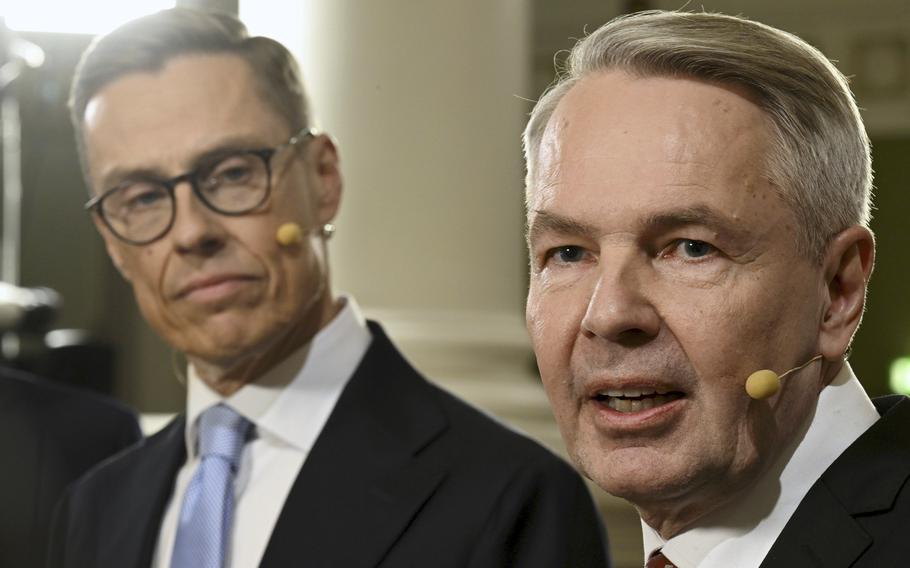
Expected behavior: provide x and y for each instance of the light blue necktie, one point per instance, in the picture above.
(204, 526)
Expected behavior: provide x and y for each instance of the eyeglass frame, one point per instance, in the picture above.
(193, 177)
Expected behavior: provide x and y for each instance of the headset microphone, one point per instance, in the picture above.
(765, 383)
(289, 234)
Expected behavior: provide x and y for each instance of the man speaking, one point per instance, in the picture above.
(698, 196)
(307, 439)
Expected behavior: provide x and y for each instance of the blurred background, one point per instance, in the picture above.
(427, 101)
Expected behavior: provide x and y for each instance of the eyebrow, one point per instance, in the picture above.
(118, 175)
(693, 215)
(549, 222)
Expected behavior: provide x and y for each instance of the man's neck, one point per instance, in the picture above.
(675, 516)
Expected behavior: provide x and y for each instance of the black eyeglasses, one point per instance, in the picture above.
(141, 211)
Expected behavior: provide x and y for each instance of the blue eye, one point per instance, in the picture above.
(568, 254)
(138, 196)
(695, 249)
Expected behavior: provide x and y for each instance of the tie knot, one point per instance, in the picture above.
(658, 560)
(222, 433)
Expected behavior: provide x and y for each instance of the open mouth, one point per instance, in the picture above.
(628, 400)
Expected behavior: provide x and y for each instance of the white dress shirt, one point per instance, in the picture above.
(288, 406)
(741, 534)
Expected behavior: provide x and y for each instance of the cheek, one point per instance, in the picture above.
(553, 319)
(145, 269)
(716, 327)
(283, 283)
(295, 274)
(257, 241)
(545, 315)
(553, 330)
(560, 294)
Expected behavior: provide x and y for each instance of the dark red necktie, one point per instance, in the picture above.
(658, 560)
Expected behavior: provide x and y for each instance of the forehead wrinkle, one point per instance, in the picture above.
(576, 167)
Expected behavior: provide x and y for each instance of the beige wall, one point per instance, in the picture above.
(422, 98)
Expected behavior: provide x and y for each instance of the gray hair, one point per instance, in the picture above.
(819, 159)
(146, 44)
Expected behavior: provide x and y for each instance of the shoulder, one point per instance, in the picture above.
(474, 431)
(127, 483)
(871, 482)
(489, 465)
(74, 416)
(467, 436)
(886, 441)
(895, 412)
(116, 500)
(134, 465)
(57, 398)
(878, 462)
(503, 498)
(517, 502)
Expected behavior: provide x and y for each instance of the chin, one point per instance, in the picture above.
(225, 344)
(638, 475)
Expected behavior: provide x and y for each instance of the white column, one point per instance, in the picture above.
(423, 98)
(426, 101)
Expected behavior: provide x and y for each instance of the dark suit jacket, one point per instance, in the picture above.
(858, 513)
(49, 436)
(403, 474)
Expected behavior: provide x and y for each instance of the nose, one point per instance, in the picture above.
(619, 309)
(196, 230)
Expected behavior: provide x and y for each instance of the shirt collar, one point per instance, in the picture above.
(747, 528)
(292, 400)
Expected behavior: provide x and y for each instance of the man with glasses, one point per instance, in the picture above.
(142, 209)
(307, 439)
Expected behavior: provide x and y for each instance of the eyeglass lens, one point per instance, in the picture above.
(141, 210)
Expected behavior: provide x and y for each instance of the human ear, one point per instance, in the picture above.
(847, 267)
(326, 176)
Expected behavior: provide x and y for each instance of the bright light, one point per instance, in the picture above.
(83, 17)
(277, 19)
(900, 375)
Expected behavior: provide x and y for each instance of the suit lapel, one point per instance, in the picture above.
(363, 476)
(819, 534)
(825, 529)
(142, 500)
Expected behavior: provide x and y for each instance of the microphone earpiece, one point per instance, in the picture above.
(762, 384)
(289, 234)
(765, 383)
